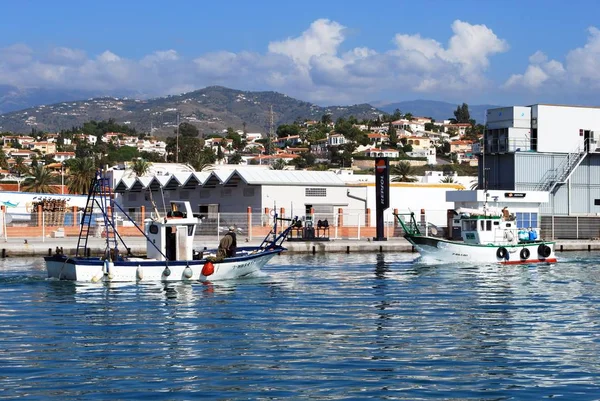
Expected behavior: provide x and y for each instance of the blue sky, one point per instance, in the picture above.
(327, 52)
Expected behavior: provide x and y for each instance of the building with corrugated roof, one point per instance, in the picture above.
(298, 192)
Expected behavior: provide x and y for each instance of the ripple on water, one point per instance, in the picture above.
(324, 326)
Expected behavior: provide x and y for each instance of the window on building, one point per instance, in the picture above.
(248, 192)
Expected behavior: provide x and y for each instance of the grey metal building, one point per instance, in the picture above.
(551, 148)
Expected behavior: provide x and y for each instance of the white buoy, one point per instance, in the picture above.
(139, 273)
(187, 272)
(108, 268)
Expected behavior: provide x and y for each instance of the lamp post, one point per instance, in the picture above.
(62, 179)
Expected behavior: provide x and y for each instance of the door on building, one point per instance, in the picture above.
(586, 140)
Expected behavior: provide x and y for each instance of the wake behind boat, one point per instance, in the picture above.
(169, 248)
(487, 237)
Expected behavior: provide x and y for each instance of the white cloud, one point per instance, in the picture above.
(313, 66)
(321, 39)
(579, 73)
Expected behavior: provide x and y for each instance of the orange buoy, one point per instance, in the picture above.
(208, 269)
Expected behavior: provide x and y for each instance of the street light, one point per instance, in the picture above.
(62, 179)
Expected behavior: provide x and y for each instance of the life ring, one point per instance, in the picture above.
(509, 236)
(501, 252)
(525, 253)
(544, 250)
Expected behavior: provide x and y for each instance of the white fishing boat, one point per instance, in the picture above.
(487, 237)
(169, 251)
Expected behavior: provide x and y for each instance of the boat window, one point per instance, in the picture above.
(496, 223)
(508, 225)
(190, 230)
(469, 225)
(488, 225)
(481, 224)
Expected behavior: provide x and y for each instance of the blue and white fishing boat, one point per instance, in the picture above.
(169, 248)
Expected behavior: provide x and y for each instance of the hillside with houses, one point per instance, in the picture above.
(408, 141)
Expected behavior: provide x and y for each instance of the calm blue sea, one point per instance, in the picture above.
(332, 327)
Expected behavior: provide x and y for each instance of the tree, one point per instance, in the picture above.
(189, 148)
(140, 167)
(237, 141)
(397, 115)
(3, 160)
(393, 136)
(278, 164)
(288, 130)
(461, 114)
(20, 167)
(203, 160)
(39, 181)
(188, 130)
(402, 172)
(81, 173)
(236, 158)
(448, 180)
(326, 119)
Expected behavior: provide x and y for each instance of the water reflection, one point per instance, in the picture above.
(353, 326)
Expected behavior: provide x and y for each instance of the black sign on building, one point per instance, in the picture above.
(382, 196)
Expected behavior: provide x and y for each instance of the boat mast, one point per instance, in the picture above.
(484, 177)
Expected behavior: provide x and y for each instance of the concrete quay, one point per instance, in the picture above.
(13, 247)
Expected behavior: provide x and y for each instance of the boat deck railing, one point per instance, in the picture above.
(411, 227)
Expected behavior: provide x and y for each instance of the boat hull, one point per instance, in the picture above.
(94, 270)
(455, 251)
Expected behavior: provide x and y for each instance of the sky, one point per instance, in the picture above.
(326, 52)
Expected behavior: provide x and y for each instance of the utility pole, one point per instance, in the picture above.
(177, 141)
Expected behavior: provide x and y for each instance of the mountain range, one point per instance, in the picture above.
(211, 109)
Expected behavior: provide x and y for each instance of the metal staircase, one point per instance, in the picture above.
(563, 172)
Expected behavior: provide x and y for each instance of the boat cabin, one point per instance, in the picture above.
(487, 229)
(172, 235)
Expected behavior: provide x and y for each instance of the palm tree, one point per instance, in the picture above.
(81, 173)
(39, 181)
(19, 167)
(200, 162)
(402, 172)
(278, 164)
(448, 180)
(140, 167)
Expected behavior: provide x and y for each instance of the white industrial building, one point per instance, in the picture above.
(324, 193)
(547, 148)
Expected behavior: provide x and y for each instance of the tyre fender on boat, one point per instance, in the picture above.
(525, 253)
(502, 253)
(544, 250)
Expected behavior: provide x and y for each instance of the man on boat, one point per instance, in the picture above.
(228, 244)
(505, 214)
